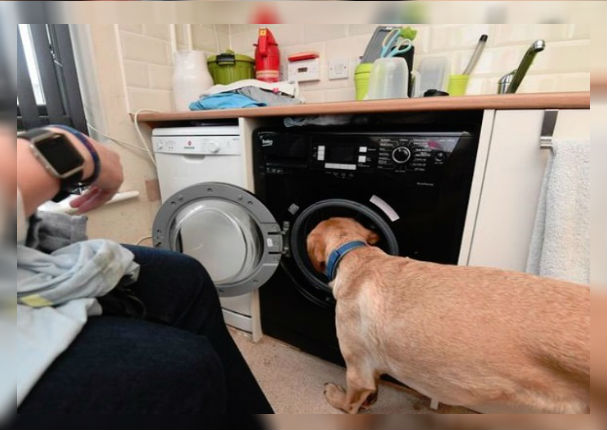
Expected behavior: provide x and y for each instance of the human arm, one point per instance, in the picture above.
(37, 185)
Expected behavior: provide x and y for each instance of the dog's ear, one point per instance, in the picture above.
(316, 253)
(321, 266)
(372, 238)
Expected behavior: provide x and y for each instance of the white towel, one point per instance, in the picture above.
(560, 242)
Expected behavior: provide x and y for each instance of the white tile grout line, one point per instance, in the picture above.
(121, 66)
(190, 42)
(173, 43)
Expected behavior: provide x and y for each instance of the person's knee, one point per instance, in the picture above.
(191, 275)
(199, 275)
(179, 262)
(194, 267)
(125, 365)
(197, 370)
(182, 368)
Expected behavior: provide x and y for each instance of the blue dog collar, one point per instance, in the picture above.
(338, 254)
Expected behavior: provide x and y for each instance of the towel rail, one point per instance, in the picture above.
(548, 124)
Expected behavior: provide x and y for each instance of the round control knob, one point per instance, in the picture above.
(212, 147)
(401, 154)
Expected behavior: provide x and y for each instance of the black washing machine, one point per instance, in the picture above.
(410, 183)
(410, 186)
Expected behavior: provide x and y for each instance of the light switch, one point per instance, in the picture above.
(339, 68)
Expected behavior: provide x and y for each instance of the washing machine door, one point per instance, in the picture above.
(315, 285)
(227, 229)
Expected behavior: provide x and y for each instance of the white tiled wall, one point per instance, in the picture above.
(563, 66)
(148, 63)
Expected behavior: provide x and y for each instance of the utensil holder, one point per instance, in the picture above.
(457, 85)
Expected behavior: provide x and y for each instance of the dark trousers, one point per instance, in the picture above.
(179, 367)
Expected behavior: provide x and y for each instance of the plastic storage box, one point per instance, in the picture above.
(229, 67)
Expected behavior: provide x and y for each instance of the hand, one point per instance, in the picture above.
(109, 180)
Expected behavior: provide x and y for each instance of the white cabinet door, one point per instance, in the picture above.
(511, 186)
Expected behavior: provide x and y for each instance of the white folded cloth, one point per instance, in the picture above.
(288, 88)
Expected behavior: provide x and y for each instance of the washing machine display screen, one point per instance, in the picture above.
(340, 154)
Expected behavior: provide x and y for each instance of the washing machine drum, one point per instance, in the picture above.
(227, 229)
(325, 209)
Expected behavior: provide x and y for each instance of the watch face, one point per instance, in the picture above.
(60, 153)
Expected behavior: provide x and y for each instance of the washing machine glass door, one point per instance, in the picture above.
(316, 285)
(227, 229)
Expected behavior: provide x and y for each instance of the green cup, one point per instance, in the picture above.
(361, 79)
(457, 85)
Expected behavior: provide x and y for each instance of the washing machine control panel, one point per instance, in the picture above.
(395, 152)
(336, 156)
(414, 153)
(346, 153)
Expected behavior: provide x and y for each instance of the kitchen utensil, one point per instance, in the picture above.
(393, 45)
(389, 79)
(510, 82)
(229, 67)
(476, 55)
(373, 49)
(267, 57)
(190, 78)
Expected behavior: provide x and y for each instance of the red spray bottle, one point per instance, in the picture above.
(267, 57)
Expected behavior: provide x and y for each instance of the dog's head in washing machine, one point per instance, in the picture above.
(334, 237)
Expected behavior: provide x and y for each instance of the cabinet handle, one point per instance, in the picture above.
(548, 124)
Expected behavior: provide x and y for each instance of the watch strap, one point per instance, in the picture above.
(33, 133)
(61, 195)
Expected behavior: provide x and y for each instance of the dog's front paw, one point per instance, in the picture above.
(335, 395)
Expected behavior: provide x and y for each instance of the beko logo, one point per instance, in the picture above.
(266, 142)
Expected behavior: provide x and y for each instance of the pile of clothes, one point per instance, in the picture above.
(248, 93)
(62, 279)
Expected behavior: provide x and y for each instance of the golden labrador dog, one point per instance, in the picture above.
(489, 339)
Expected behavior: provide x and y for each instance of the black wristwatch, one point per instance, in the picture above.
(58, 156)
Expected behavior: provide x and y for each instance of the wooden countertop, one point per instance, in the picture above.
(570, 100)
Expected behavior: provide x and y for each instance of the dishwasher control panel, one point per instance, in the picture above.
(201, 140)
(199, 145)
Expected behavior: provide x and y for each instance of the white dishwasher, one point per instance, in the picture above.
(187, 156)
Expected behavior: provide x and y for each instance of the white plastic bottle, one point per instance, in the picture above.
(190, 78)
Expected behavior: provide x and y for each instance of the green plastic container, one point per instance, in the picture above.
(361, 79)
(457, 85)
(229, 67)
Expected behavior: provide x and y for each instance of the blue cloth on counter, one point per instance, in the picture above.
(228, 100)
